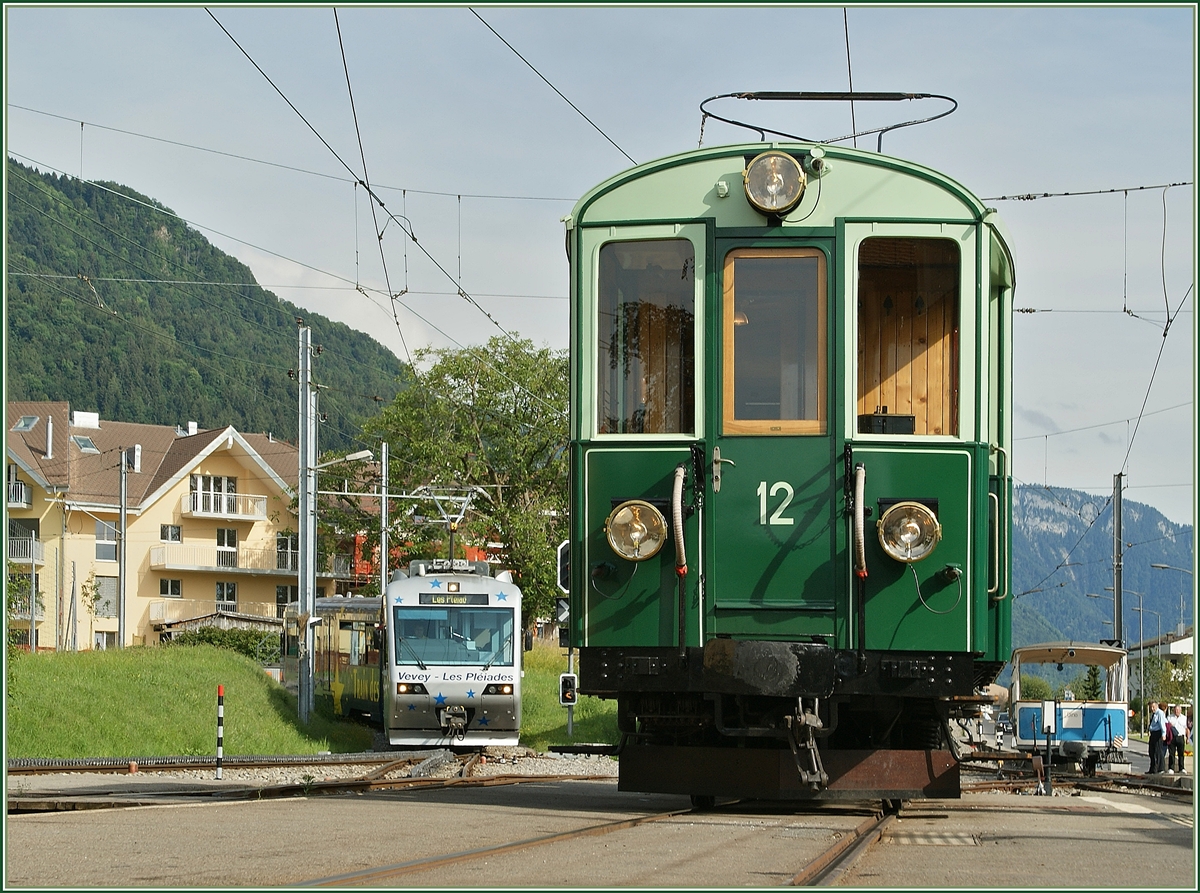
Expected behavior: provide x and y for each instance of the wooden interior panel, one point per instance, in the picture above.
(908, 308)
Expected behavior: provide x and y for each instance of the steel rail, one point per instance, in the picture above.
(60, 802)
(431, 862)
(54, 766)
(829, 866)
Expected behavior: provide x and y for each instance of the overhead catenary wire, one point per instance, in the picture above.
(275, 305)
(366, 182)
(391, 216)
(1102, 424)
(595, 126)
(1032, 196)
(849, 74)
(483, 360)
(293, 168)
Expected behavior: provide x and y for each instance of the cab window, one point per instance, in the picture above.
(646, 334)
(908, 336)
(774, 341)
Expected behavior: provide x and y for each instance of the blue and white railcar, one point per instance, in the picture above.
(454, 656)
(1088, 731)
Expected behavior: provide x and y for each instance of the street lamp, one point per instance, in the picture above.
(308, 570)
(1183, 570)
(1158, 645)
(353, 457)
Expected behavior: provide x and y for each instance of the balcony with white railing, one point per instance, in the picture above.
(165, 611)
(23, 549)
(226, 506)
(19, 495)
(253, 562)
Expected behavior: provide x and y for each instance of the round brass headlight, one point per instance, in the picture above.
(636, 530)
(909, 531)
(774, 182)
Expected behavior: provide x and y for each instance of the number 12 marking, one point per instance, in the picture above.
(777, 515)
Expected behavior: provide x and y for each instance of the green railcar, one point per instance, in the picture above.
(790, 486)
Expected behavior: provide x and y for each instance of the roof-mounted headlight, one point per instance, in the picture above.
(636, 530)
(774, 182)
(909, 531)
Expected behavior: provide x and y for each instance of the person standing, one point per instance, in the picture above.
(1179, 734)
(1157, 721)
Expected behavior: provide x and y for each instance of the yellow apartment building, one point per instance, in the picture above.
(209, 534)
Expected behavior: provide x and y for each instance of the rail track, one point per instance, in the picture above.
(419, 765)
(823, 870)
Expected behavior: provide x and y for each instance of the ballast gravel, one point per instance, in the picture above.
(491, 761)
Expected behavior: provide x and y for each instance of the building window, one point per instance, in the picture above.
(214, 494)
(26, 423)
(106, 597)
(287, 551)
(170, 588)
(106, 541)
(170, 533)
(85, 444)
(105, 640)
(227, 547)
(284, 596)
(226, 594)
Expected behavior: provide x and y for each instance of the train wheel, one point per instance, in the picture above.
(703, 802)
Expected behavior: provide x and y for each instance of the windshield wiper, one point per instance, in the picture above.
(402, 642)
(500, 651)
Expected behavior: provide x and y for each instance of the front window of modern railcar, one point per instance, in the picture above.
(774, 341)
(908, 336)
(646, 360)
(458, 636)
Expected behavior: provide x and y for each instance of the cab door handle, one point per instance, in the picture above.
(716, 468)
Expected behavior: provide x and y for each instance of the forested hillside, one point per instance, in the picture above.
(1063, 549)
(117, 306)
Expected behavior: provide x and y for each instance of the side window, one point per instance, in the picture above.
(646, 337)
(774, 334)
(908, 336)
(106, 541)
(106, 597)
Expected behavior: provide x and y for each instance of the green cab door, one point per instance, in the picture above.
(773, 500)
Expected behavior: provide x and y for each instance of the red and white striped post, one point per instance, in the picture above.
(220, 726)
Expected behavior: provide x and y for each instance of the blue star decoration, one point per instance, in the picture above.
(483, 720)
(435, 584)
(440, 699)
(501, 596)
(470, 694)
(412, 706)
(399, 599)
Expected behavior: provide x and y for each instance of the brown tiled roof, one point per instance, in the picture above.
(30, 446)
(282, 456)
(95, 478)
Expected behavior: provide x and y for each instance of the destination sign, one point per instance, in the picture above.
(452, 598)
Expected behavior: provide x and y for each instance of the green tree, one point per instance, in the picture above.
(493, 418)
(1167, 682)
(1090, 687)
(17, 604)
(1034, 688)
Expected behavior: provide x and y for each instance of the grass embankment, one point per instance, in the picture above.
(163, 702)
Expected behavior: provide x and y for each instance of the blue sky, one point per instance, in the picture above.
(1066, 99)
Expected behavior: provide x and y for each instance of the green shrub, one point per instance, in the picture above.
(256, 645)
